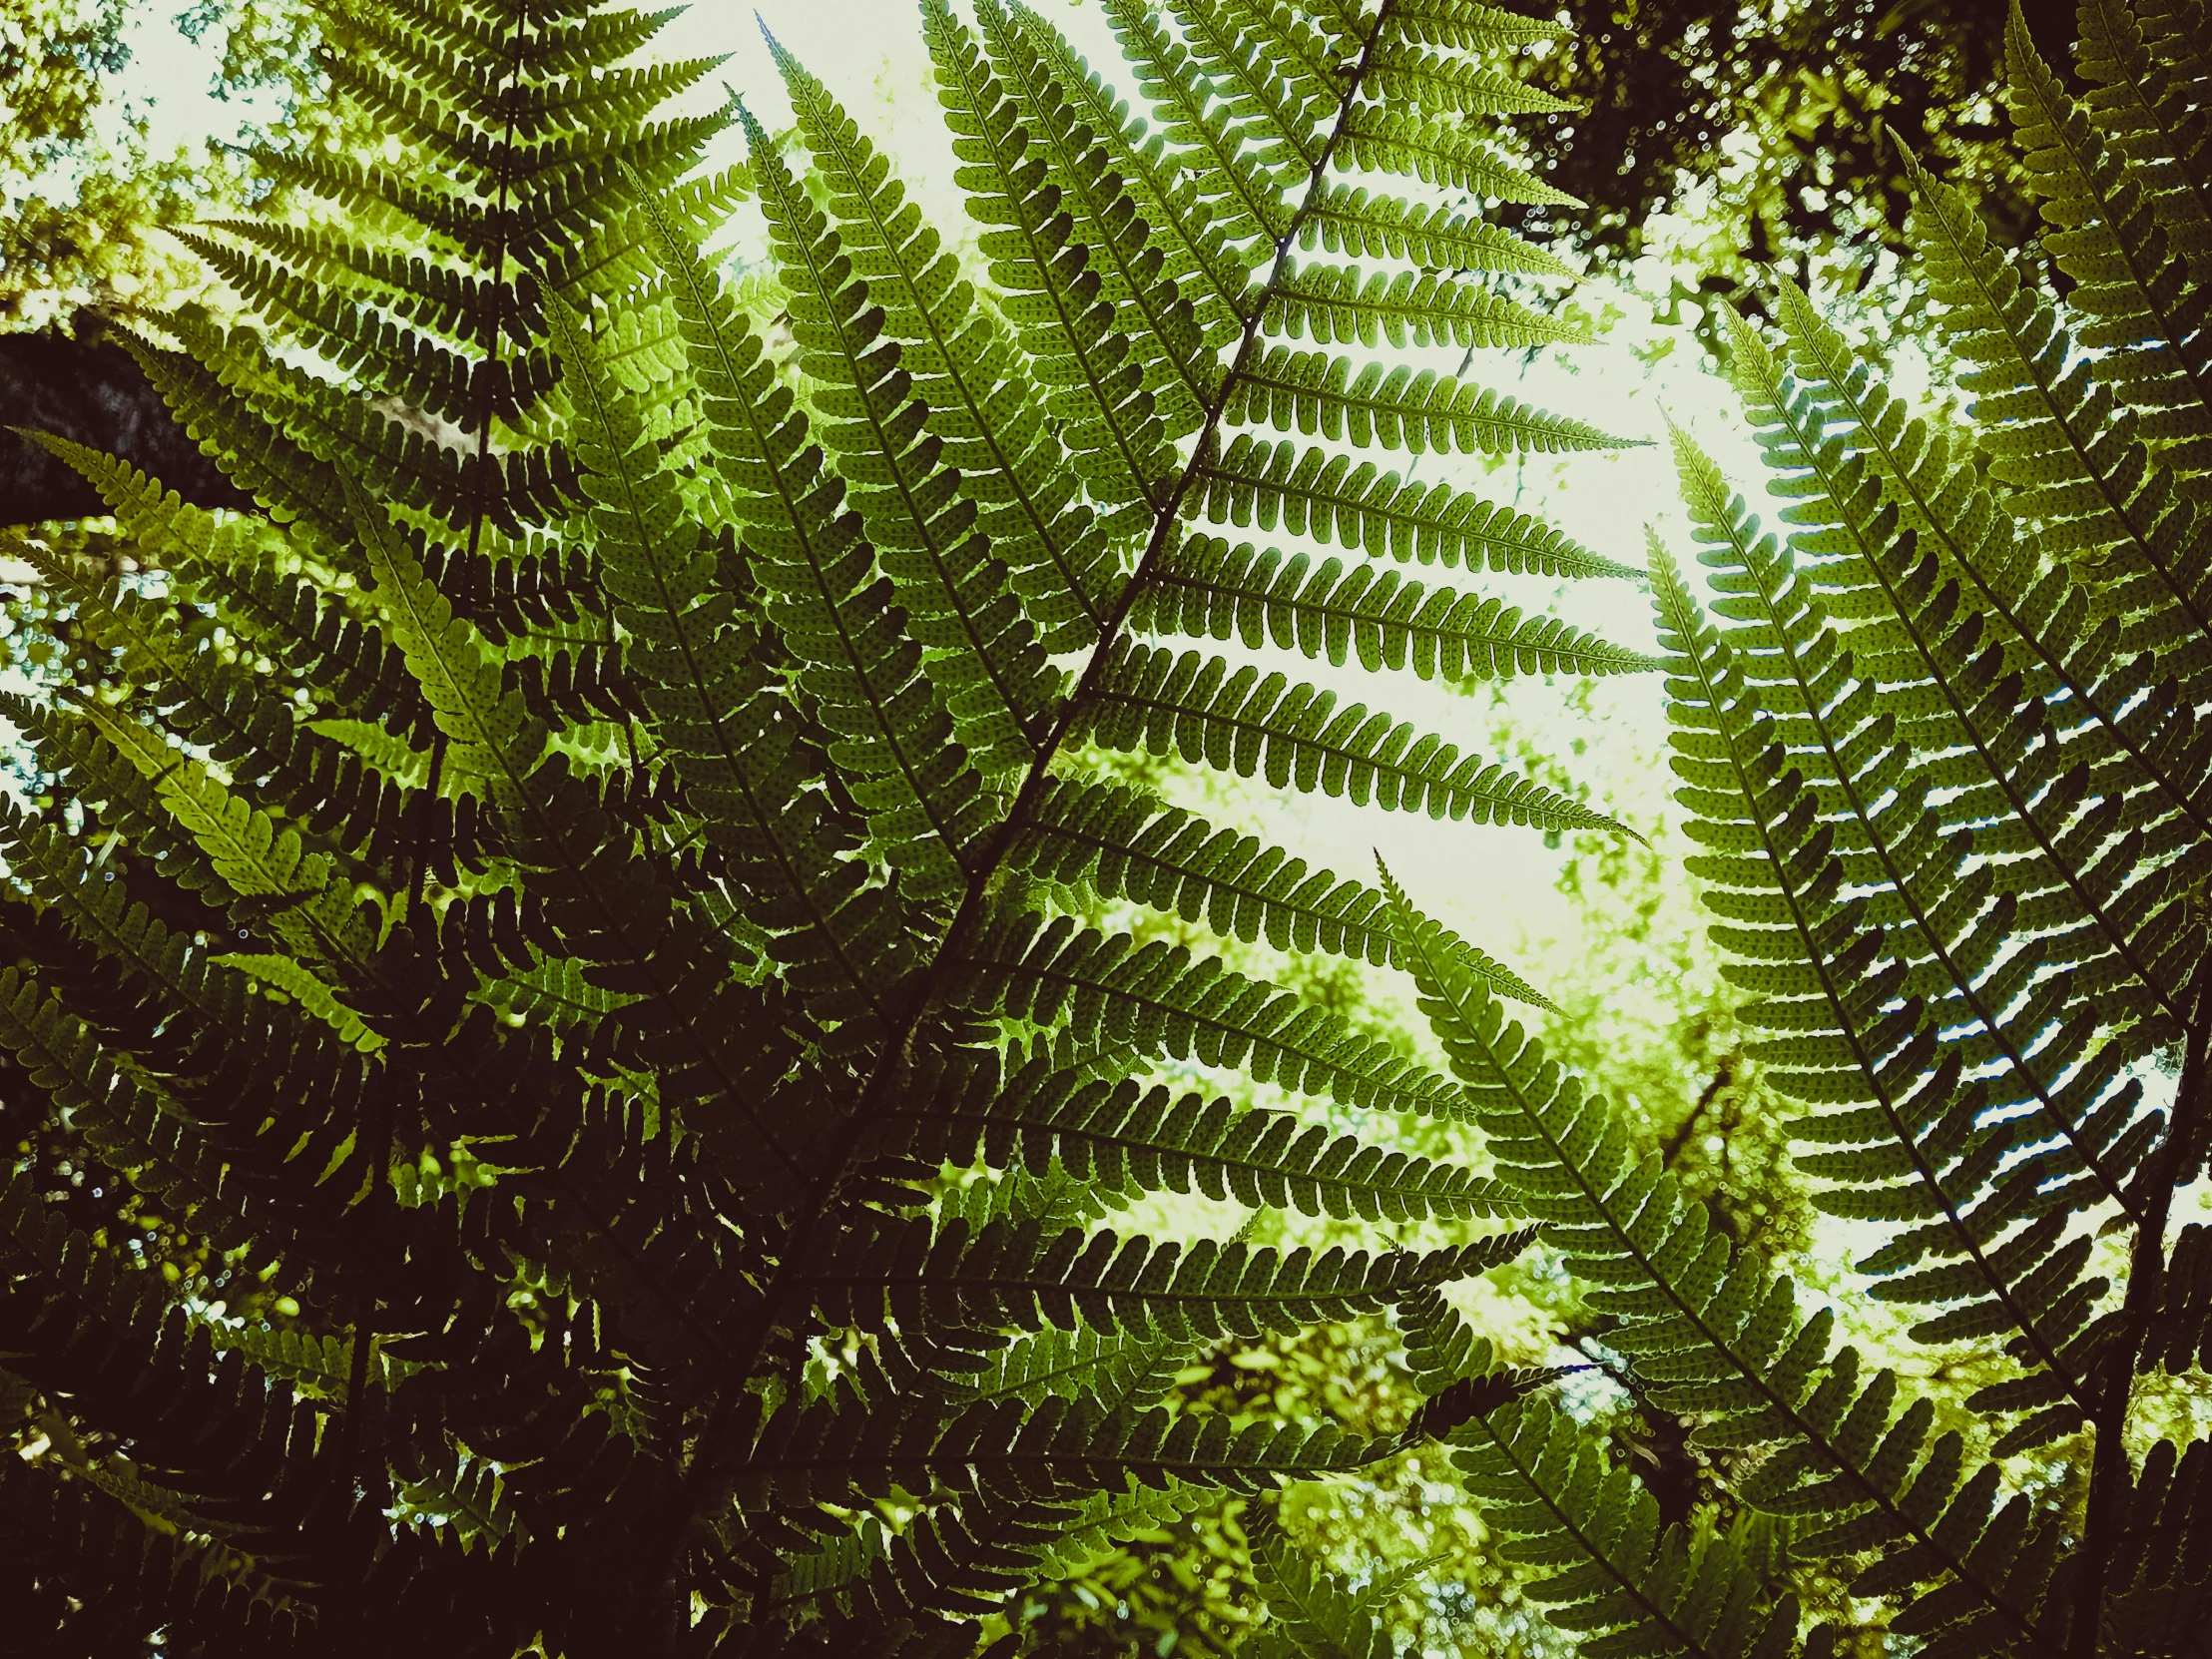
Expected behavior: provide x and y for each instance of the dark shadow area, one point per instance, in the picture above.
(92, 392)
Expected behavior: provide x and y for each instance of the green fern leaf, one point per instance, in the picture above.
(2142, 315)
(1128, 1139)
(1242, 188)
(1160, 325)
(1347, 220)
(1203, 588)
(983, 659)
(1166, 1003)
(1297, 738)
(1709, 1330)
(1331, 303)
(1126, 843)
(1317, 393)
(819, 593)
(1096, 394)
(1195, 251)
(2079, 463)
(1311, 492)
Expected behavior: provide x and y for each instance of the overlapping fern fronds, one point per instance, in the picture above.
(593, 890)
(1942, 746)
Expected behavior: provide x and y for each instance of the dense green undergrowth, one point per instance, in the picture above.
(607, 921)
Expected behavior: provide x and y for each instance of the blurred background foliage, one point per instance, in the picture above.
(89, 172)
(1719, 138)
(1715, 137)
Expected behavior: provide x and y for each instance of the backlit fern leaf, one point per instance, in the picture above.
(1165, 1002)
(1203, 588)
(2077, 459)
(2141, 313)
(1312, 492)
(581, 856)
(1398, 408)
(1132, 1140)
(1711, 1333)
(1126, 843)
(1160, 325)
(1295, 736)
(984, 660)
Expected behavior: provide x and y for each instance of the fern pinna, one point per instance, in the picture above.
(574, 909)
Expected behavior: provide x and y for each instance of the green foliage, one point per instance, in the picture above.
(1940, 749)
(582, 902)
(1938, 743)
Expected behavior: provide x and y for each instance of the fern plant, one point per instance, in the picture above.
(573, 910)
(1939, 747)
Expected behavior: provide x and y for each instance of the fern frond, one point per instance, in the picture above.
(468, 1498)
(1311, 492)
(1944, 919)
(1159, 998)
(820, 592)
(981, 404)
(1243, 188)
(1105, 1519)
(1126, 843)
(1347, 220)
(2140, 106)
(495, 742)
(1330, 302)
(2006, 1265)
(1677, 1589)
(2147, 320)
(1442, 152)
(61, 872)
(1113, 1370)
(984, 658)
(1160, 324)
(1955, 689)
(1203, 588)
(1059, 1449)
(1278, 101)
(2079, 463)
(1195, 253)
(126, 1122)
(276, 882)
(1095, 391)
(1317, 393)
(1129, 1139)
(740, 765)
(1313, 1613)
(316, 1366)
(2067, 654)
(1446, 86)
(1706, 1325)
(576, 853)
(1020, 1277)
(1469, 26)
(1249, 723)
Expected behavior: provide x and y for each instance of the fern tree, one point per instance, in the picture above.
(568, 912)
(1941, 746)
